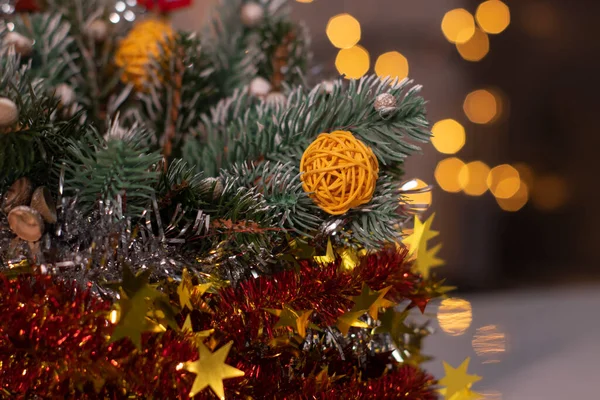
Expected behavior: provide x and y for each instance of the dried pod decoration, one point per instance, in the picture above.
(43, 203)
(18, 194)
(26, 223)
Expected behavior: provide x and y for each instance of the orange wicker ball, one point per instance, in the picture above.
(339, 172)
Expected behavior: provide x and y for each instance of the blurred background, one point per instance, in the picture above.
(513, 100)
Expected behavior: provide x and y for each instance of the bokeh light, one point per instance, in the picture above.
(481, 106)
(458, 25)
(417, 194)
(473, 178)
(504, 181)
(455, 316)
(525, 173)
(343, 31)
(476, 48)
(516, 201)
(493, 16)
(448, 136)
(550, 193)
(489, 343)
(491, 395)
(446, 174)
(353, 63)
(304, 1)
(392, 64)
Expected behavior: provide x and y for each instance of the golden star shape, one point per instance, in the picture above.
(465, 394)
(457, 379)
(392, 322)
(351, 318)
(421, 234)
(427, 259)
(134, 305)
(297, 320)
(329, 256)
(371, 302)
(210, 370)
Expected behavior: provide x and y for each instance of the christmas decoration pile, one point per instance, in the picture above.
(182, 216)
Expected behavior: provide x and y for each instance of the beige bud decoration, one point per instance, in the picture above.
(65, 94)
(23, 45)
(97, 30)
(43, 203)
(275, 99)
(9, 113)
(385, 103)
(327, 87)
(26, 223)
(18, 194)
(259, 87)
(214, 184)
(252, 14)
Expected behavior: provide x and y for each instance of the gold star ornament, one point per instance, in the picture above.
(297, 320)
(421, 234)
(464, 394)
(370, 301)
(211, 370)
(457, 380)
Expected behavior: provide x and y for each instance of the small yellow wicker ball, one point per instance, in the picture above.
(139, 47)
(339, 171)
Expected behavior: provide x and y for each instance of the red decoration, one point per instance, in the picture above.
(54, 340)
(53, 344)
(165, 5)
(27, 6)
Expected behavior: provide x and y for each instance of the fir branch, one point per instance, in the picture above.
(286, 48)
(36, 141)
(241, 128)
(116, 171)
(178, 89)
(96, 76)
(53, 56)
(281, 188)
(230, 46)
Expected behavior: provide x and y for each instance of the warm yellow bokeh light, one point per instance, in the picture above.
(476, 48)
(353, 62)
(504, 181)
(392, 64)
(446, 174)
(481, 106)
(493, 16)
(525, 173)
(516, 201)
(343, 31)
(455, 316)
(489, 342)
(458, 25)
(550, 193)
(417, 194)
(473, 178)
(448, 136)
(304, 1)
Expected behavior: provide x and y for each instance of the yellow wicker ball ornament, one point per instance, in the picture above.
(339, 171)
(143, 43)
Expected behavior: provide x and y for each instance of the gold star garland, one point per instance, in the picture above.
(211, 370)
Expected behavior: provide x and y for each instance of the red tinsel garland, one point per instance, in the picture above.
(54, 340)
(54, 343)
(240, 313)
